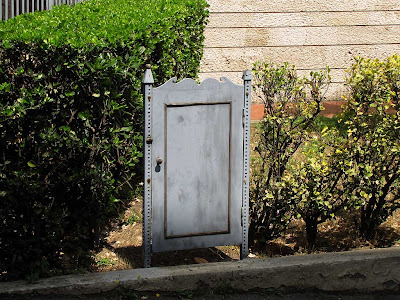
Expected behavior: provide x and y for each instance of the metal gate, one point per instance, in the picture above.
(12, 8)
(196, 164)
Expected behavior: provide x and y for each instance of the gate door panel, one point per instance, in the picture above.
(195, 160)
(197, 173)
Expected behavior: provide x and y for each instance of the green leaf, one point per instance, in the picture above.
(125, 129)
(31, 164)
(82, 116)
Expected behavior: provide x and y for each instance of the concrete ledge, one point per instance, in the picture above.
(364, 271)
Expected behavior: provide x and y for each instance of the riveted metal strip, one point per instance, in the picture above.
(244, 251)
(147, 200)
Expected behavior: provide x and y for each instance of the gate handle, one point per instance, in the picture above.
(159, 161)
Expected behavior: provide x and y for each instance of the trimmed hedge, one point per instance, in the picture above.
(71, 119)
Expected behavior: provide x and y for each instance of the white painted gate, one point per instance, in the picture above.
(196, 164)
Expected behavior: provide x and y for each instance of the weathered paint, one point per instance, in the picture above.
(197, 186)
(197, 162)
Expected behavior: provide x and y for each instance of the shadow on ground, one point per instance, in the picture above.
(133, 256)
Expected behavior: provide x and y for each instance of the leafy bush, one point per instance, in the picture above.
(314, 171)
(372, 149)
(291, 106)
(71, 118)
(315, 184)
(167, 34)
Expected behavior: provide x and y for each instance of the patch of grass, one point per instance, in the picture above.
(321, 122)
(134, 218)
(104, 262)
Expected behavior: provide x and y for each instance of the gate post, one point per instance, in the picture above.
(244, 249)
(147, 141)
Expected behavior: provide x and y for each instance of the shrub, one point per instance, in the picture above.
(291, 105)
(71, 118)
(315, 184)
(372, 149)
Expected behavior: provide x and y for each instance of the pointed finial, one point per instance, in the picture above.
(148, 76)
(247, 75)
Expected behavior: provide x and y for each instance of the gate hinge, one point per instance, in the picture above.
(243, 113)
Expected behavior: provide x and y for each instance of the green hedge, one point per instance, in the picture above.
(71, 119)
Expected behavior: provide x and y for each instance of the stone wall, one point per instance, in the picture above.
(307, 33)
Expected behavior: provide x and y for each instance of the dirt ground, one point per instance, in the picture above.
(121, 243)
(121, 247)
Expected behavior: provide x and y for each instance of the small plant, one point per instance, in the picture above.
(105, 262)
(134, 218)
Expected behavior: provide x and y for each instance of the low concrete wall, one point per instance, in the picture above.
(366, 272)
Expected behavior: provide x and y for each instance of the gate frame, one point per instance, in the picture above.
(147, 84)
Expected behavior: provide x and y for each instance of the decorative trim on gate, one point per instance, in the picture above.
(189, 83)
